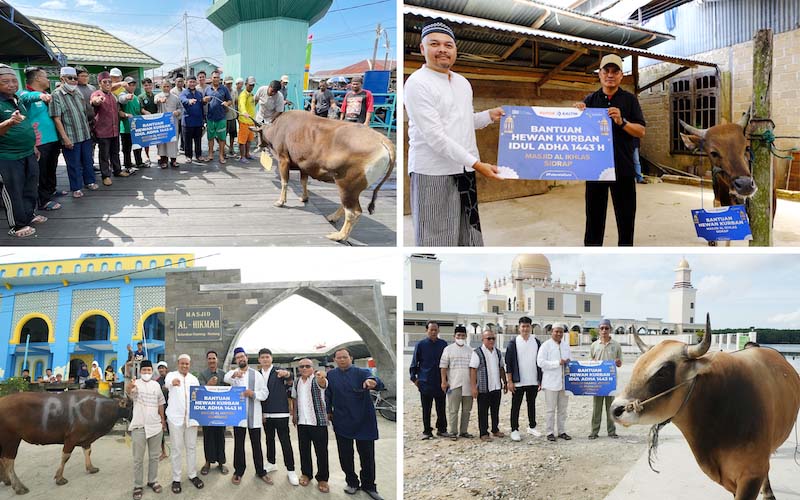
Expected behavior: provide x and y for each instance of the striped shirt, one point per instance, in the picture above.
(71, 107)
(455, 359)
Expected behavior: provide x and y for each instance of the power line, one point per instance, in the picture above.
(359, 6)
(145, 44)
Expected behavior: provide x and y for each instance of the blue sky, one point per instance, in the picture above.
(738, 290)
(344, 36)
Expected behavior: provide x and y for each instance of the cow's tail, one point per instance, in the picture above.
(390, 149)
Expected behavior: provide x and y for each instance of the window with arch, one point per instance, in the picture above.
(78, 268)
(37, 329)
(168, 262)
(153, 264)
(154, 326)
(181, 262)
(34, 271)
(2, 273)
(20, 271)
(118, 266)
(90, 268)
(46, 270)
(138, 265)
(38, 370)
(58, 269)
(94, 328)
(104, 266)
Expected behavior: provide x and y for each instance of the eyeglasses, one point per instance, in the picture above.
(71, 78)
(105, 81)
(605, 328)
(304, 366)
(490, 338)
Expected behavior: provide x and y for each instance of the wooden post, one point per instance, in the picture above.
(760, 209)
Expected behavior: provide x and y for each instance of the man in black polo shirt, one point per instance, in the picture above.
(628, 124)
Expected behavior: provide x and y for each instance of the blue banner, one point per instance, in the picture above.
(722, 224)
(149, 130)
(591, 378)
(217, 406)
(560, 144)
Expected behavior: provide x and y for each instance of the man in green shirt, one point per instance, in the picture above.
(130, 105)
(602, 349)
(18, 166)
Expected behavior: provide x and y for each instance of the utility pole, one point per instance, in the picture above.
(386, 57)
(375, 49)
(761, 209)
(186, 42)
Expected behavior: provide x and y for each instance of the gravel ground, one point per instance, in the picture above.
(533, 468)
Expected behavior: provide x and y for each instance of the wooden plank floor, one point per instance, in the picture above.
(207, 205)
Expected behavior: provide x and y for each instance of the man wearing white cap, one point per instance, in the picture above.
(246, 106)
(117, 85)
(285, 90)
(628, 124)
(553, 358)
(442, 149)
(68, 110)
(182, 434)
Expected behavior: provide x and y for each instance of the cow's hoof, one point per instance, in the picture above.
(337, 236)
(21, 490)
(62, 481)
(279, 203)
(93, 470)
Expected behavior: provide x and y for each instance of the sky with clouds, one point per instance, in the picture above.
(344, 36)
(738, 290)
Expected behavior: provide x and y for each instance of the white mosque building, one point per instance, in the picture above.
(529, 289)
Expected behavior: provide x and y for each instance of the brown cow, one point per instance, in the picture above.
(734, 409)
(351, 155)
(71, 418)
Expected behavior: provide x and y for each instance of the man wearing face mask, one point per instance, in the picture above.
(454, 367)
(255, 391)
(147, 424)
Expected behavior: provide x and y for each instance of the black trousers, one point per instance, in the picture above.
(441, 417)
(318, 435)
(214, 444)
(109, 156)
(192, 141)
(48, 161)
(488, 401)
(127, 146)
(18, 182)
(623, 196)
(529, 392)
(366, 455)
(281, 426)
(239, 465)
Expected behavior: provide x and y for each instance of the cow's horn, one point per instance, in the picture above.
(639, 342)
(695, 351)
(745, 119)
(700, 132)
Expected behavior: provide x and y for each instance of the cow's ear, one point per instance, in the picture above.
(693, 142)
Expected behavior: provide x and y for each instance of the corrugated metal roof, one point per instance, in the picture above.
(86, 44)
(560, 20)
(503, 32)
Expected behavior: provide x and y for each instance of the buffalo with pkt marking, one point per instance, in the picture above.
(351, 155)
(725, 146)
(734, 409)
(71, 418)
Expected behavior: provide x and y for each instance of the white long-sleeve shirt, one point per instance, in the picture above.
(441, 123)
(549, 360)
(260, 389)
(178, 408)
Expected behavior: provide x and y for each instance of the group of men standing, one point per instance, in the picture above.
(273, 400)
(456, 374)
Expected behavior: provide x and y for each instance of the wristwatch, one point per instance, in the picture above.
(624, 122)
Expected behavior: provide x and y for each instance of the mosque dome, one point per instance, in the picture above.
(531, 266)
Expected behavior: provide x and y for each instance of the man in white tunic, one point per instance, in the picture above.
(553, 359)
(169, 103)
(442, 150)
(255, 392)
(182, 434)
(147, 424)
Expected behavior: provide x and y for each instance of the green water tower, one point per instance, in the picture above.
(267, 38)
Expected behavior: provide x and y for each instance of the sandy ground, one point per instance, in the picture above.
(36, 466)
(533, 468)
(663, 218)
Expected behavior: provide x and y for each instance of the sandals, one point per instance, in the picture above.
(323, 487)
(222, 469)
(204, 469)
(155, 487)
(197, 482)
(39, 219)
(60, 193)
(304, 480)
(77, 194)
(266, 479)
(51, 205)
(22, 232)
(236, 479)
(92, 187)
(137, 494)
(176, 486)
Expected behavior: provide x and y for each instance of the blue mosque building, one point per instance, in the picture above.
(58, 313)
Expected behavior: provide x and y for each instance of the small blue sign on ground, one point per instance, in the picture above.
(591, 378)
(564, 144)
(217, 406)
(722, 224)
